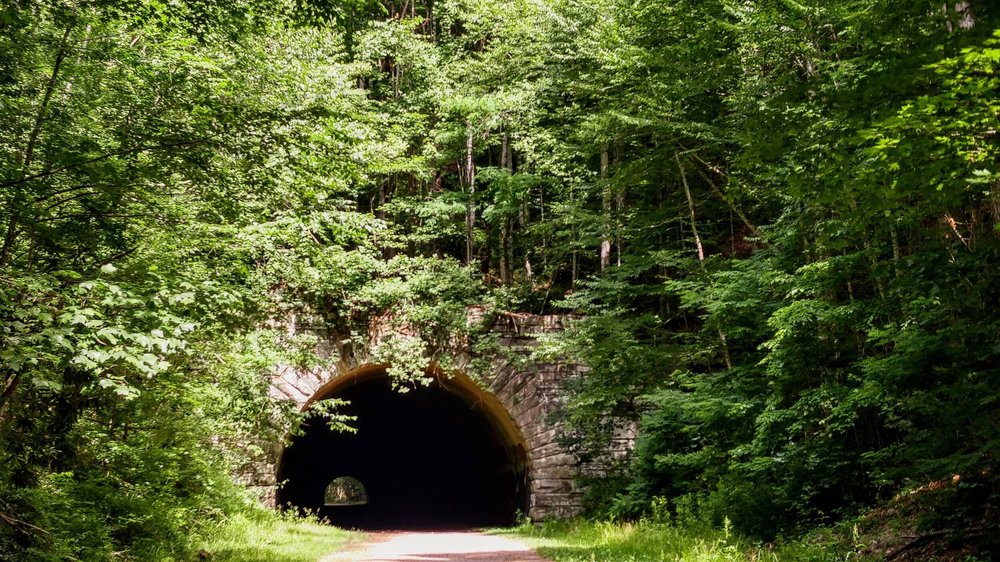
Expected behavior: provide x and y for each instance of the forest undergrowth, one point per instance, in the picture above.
(658, 541)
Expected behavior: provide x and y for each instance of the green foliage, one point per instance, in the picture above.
(829, 352)
(152, 176)
(777, 221)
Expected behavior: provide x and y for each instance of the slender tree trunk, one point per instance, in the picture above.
(506, 157)
(664, 300)
(574, 259)
(506, 261)
(894, 233)
(470, 182)
(527, 252)
(619, 236)
(507, 223)
(691, 209)
(80, 52)
(431, 27)
(619, 211)
(545, 237)
(510, 250)
(606, 202)
(379, 210)
(29, 153)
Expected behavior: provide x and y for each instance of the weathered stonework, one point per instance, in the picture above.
(529, 393)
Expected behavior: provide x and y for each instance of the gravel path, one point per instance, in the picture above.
(435, 547)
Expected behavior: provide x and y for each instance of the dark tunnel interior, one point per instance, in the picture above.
(427, 458)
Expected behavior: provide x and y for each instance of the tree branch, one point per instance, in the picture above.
(722, 195)
(122, 152)
(701, 252)
(29, 152)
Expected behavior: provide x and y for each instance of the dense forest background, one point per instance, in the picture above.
(777, 218)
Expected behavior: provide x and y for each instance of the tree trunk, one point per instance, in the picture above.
(606, 202)
(541, 218)
(966, 19)
(619, 208)
(506, 251)
(506, 156)
(10, 387)
(574, 263)
(470, 183)
(507, 223)
(430, 27)
(691, 209)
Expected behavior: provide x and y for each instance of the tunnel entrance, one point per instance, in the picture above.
(436, 457)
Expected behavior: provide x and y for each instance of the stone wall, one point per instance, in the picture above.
(529, 392)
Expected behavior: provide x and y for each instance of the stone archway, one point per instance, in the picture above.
(516, 395)
(444, 455)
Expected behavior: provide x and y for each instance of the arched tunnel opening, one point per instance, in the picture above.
(444, 456)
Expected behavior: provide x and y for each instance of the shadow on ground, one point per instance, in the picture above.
(256, 555)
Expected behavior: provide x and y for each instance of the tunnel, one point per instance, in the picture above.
(441, 456)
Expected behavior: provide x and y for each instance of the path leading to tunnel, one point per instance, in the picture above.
(436, 547)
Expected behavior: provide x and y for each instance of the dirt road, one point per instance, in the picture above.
(437, 547)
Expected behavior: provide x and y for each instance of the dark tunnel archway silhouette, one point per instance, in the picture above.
(445, 456)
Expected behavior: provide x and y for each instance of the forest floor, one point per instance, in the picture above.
(438, 546)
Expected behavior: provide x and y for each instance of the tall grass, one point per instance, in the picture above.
(647, 541)
(265, 536)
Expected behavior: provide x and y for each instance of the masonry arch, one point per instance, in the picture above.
(448, 455)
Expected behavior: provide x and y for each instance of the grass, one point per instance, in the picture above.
(265, 536)
(586, 541)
